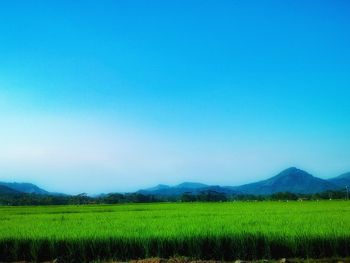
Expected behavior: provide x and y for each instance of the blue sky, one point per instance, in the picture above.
(99, 96)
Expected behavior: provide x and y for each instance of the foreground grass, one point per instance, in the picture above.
(221, 231)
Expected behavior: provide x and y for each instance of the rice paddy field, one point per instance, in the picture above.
(220, 231)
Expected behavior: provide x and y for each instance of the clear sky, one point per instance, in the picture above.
(101, 96)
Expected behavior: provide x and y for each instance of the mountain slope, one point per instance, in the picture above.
(341, 180)
(290, 180)
(4, 190)
(25, 188)
(157, 188)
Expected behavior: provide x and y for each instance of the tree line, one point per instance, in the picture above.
(117, 198)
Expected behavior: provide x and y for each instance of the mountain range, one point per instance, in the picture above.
(291, 180)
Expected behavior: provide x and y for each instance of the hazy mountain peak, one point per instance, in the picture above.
(293, 172)
(191, 185)
(292, 169)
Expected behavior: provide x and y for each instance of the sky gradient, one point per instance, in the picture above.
(101, 96)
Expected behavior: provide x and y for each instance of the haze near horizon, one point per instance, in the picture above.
(102, 96)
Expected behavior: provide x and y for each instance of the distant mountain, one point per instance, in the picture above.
(25, 188)
(158, 187)
(341, 180)
(190, 185)
(165, 190)
(291, 180)
(4, 190)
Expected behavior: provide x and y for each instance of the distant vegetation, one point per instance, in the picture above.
(20, 199)
(222, 231)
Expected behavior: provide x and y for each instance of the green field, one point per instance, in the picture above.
(223, 231)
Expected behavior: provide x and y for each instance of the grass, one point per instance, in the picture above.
(221, 231)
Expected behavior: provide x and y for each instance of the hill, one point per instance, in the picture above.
(291, 180)
(341, 180)
(25, 188)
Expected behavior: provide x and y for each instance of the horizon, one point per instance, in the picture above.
(179, 183)
(114, 97)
